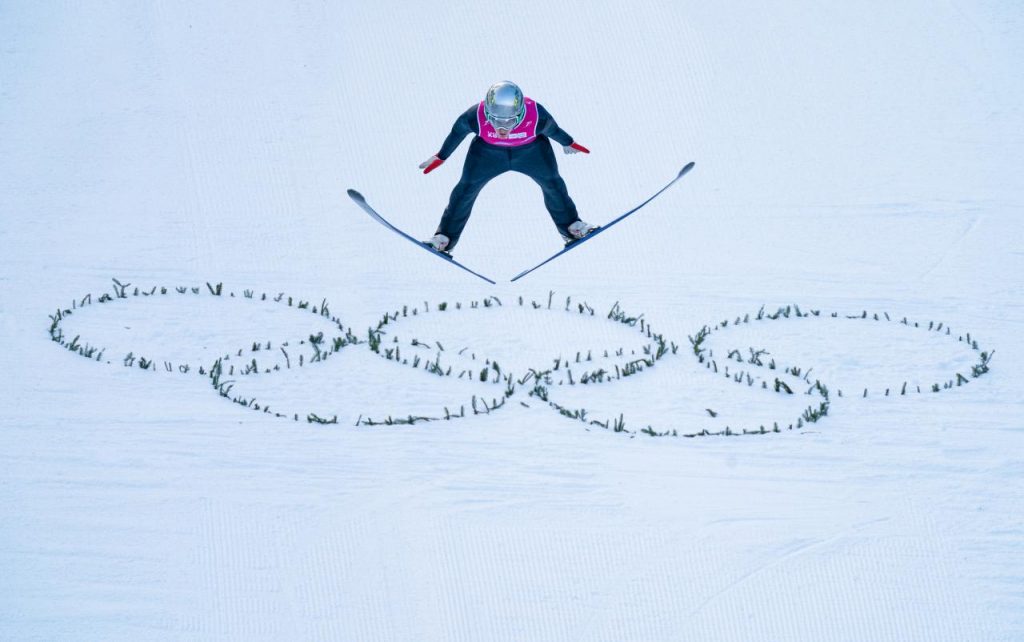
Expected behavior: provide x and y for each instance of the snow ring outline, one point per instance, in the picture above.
(590, 363)
(437, 360)
(751, 356)
(263, 355)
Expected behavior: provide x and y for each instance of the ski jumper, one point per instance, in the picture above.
(526, 150)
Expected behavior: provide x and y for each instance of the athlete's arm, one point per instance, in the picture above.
(464, 125)
(548, 127)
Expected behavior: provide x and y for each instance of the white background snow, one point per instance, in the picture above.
(851, 157)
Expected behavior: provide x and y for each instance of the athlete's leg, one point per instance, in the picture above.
(537, 161)
(483, 162)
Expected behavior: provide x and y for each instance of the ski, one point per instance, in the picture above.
(604, 227)
(361, 202)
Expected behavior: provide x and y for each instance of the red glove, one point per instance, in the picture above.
(575, 148)
(431, 164)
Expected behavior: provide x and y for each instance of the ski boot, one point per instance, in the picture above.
(578, 230)
(439, 243)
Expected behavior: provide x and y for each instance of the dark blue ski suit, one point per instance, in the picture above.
(485, 161)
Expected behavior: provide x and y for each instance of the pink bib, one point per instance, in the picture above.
(524, 133)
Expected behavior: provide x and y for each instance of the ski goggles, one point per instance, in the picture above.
(509, 123)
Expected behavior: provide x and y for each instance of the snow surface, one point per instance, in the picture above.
(857, 158)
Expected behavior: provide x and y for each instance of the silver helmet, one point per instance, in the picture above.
(504, 107)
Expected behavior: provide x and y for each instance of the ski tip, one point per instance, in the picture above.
(685, 169)
(356, 196)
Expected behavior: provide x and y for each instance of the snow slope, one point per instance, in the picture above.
(860, 160)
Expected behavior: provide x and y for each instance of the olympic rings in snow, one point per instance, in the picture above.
(547, 380)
